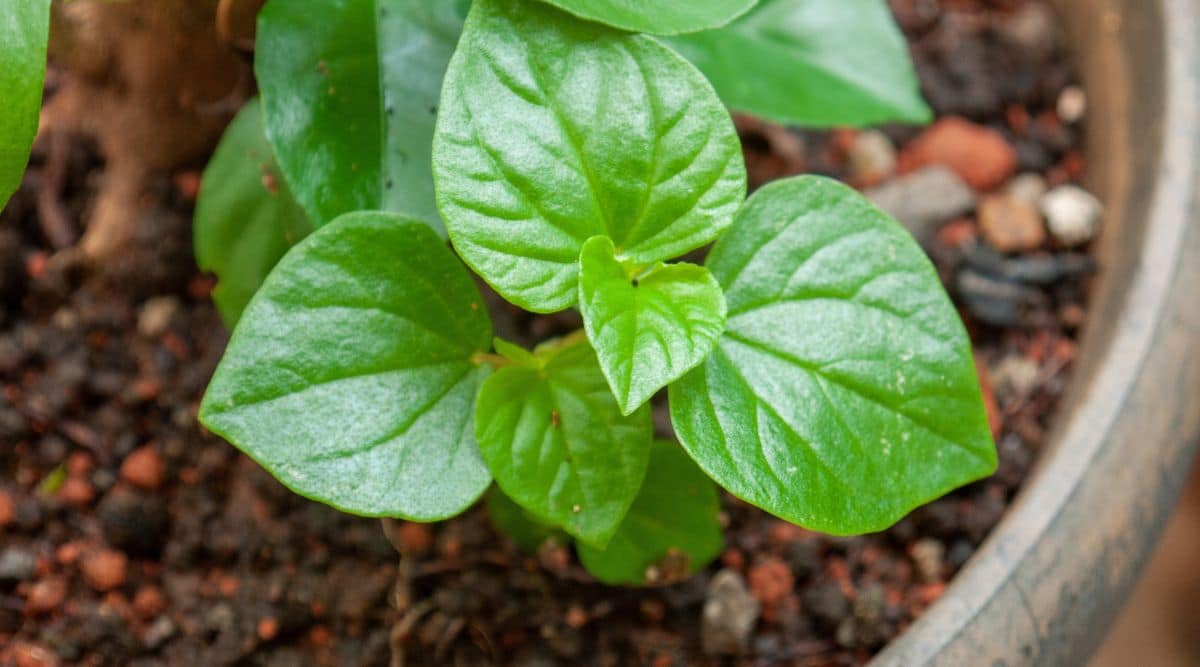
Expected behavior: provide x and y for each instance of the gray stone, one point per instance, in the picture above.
(16, 565)
(925, 200)
(729, 615)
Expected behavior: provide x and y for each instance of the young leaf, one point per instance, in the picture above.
(246, 218)
(816, 62)
(349, 376)
(670, 532)
(350, 91)
(553, 130)
(558, 444)
(663, 18)
(24, 28)
(842, 393)
(648, 329)
(519, 525)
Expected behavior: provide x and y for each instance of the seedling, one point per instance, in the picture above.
(814, 365)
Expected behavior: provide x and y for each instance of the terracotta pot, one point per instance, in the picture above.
(1049, 581)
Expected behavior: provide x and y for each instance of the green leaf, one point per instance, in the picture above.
(553, 130)
(246, 218)
(24, 28)
(843, 393)
(519, 525)
(558, 444)
(669, 18)
(670, 532)
(648, 327)
(349, 376)
(818, 63)
(350, 91)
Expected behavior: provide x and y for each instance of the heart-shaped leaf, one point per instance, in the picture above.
(350, 91)
(843, 392)
(24, 29)
(246, 218)
(662, 18)
(558, 444)
(350, 378)
(553, 130)
(648, 326)
(815, 62)
(670, 532)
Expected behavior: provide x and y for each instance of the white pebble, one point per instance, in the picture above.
(1072, 105)
(1072, 214)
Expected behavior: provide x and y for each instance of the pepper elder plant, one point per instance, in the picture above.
(813, 364)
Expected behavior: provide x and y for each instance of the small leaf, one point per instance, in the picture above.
(670, 532)
(514, 353)
(843, 393)
(350, 91)
(246, 218)
(670, 18)
(519, 525)
(24, 29)
(554, 130)
(349, 376)
(649, 329)
(557, 442)
(818, 63)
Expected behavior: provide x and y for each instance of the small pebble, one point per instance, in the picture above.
(149, 601)
(1072, 104)
(17, 564)
(46, 595)
(927, 555)
(872, 157)
(771, 581)
(8, 509)
(925, 199)
(26, 654)
(144, 467)
(1072, 214)
(161, 630)
(104, 569)
(1010, 224)
(981, 156)
(1028, 187)
(156, 314)
(77, 491)
(1016, 375)
(729, 615)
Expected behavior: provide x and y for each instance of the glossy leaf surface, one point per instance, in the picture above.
(554, 130)
(246, 217)
(558, 444)
(843, 392)
(657, 18)
(350, 91)
(349, 376)
(670, 532)
(648, 328)
(817, 63)
(24, 29)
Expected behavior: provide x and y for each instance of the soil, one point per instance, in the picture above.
(129, 536)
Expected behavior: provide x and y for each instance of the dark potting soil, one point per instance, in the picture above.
(129, 536)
